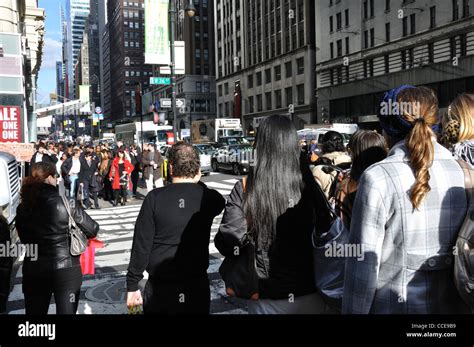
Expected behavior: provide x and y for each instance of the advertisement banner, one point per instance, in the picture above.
(157, 49)
(10, 124)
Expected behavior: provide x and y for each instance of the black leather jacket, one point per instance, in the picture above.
(47, 226)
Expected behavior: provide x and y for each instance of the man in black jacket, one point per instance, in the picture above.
(88, 177)
(171, 241)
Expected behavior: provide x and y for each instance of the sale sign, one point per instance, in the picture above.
(10, 124)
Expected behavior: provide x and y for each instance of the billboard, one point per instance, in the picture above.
(157, 50)
(10, 124)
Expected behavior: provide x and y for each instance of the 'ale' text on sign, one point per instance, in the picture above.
(10, 129)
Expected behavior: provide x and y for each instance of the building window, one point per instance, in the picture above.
(300, 66)
(339, 48)
(465, 8)
(455, 10)
(226, 88)
(300, 93)
(339, 21)
(277, 72)
(387, 5)
(250, 81)
(219, 88)
(289, 96)
(268, 76)
(259, 78)
(366, 9)
(332, 49)
(346, 13)
(268, 100)
(198, 87)
(331, 24)
(278, 98)
(372, 37)
(405, 26)
(251, 106)
(432, 17)
(372, 9)
(259, 103)
(387, 32)
(412, 23)
(366, 39)
(288, 68)
(411, 57)
(387, 63)
(347, 46)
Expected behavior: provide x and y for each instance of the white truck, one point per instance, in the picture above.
(131, 133)
(216, 130)
(10, 191)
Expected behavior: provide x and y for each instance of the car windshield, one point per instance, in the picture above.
(206, 149)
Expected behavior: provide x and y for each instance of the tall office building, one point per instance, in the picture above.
(59, 79)
(92, 30)
(77, 12)
(198, 85)
(102, 49)
(106, 93)
(127, 62)
(367, 47)
(265, 59)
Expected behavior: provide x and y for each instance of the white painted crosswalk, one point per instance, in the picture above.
(111, 262)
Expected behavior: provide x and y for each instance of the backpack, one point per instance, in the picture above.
(464, 247)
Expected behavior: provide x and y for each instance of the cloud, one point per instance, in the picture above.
(51, 53)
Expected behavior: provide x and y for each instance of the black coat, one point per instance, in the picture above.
(47, 225)
(86, 173)
(287, 266)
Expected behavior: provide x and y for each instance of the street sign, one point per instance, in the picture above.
(165, 103)
(180, 103)
(98, 110)
(101, 116)
(160, 80)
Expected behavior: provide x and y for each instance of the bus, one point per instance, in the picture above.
(131, 133)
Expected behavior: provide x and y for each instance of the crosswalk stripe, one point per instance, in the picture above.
(233, 181)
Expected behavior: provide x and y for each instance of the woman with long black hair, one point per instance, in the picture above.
(42, 219)
(277, 208)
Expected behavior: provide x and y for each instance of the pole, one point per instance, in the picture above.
(172, 14)
(32, 130)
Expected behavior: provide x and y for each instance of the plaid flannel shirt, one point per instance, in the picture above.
(408, 264)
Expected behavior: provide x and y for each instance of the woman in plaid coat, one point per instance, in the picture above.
(407, 213)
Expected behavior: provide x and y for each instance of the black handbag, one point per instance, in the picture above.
(239, 271)
(464, 247)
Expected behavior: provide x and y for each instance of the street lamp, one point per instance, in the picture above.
(190, 11)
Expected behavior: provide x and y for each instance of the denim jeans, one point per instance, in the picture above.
(73, 179)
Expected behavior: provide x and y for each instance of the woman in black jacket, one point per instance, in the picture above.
(278, 209)
(42, 220)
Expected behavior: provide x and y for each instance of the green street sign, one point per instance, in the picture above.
(160, 80)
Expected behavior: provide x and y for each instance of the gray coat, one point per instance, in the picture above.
(407, 266)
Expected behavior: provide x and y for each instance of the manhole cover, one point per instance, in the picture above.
(108, 293)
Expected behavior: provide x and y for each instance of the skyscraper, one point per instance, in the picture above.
(127, 62)
(265, 59)
(77, 12)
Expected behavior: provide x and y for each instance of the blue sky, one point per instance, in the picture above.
(51, 50)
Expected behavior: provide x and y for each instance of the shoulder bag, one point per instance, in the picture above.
(78, 240)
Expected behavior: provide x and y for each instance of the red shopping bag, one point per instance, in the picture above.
(88, 257)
